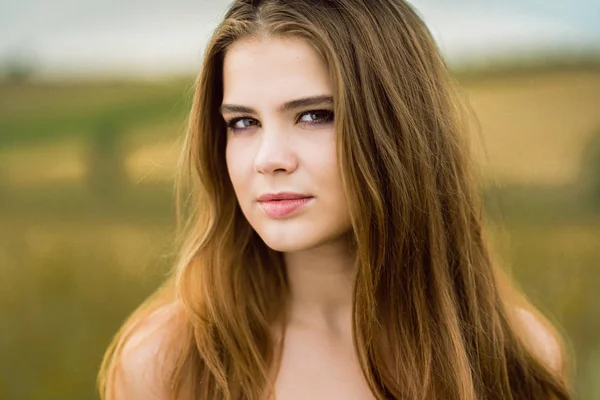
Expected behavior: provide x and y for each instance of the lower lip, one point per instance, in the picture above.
(283, 208)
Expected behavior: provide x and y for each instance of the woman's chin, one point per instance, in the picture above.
(294, 240)
(287, 244)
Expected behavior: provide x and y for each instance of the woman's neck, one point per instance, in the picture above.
(321, 286)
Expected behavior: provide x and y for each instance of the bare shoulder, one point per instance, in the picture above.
(541, 339)
(143, 366)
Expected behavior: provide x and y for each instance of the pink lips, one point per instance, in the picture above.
(279, 205)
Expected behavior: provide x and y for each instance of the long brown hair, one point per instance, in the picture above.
(430, 318)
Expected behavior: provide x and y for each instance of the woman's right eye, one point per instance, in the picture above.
(241, 123)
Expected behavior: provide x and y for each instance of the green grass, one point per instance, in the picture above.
(67, 289)
(34, 114)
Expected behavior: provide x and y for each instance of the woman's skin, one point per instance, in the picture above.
(270, 150)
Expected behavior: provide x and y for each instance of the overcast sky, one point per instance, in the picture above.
(153, 37)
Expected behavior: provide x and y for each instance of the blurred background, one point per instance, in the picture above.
(93, 102)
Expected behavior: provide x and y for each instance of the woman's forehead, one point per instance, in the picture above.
(256, 70)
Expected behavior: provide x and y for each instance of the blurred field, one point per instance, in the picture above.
(536, 126)
(86, 213)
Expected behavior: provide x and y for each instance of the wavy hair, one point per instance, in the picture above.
(432, 315)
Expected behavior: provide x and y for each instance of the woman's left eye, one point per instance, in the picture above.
(316, 117)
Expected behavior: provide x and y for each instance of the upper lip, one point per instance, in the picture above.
(282, 196)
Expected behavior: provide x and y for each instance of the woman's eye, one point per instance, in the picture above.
(317, 117)
(241, 123)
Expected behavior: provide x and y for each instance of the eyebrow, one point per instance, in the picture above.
(287, 106)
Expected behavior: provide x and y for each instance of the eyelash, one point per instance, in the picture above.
(329, 118)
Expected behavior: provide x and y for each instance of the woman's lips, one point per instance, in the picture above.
(283, 208)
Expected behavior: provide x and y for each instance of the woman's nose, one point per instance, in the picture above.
(275, 154)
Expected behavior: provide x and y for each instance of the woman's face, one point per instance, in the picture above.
(280, 139)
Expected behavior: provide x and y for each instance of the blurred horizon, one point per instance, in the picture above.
(96, 38)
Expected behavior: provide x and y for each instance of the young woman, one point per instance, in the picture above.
(335, 247)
